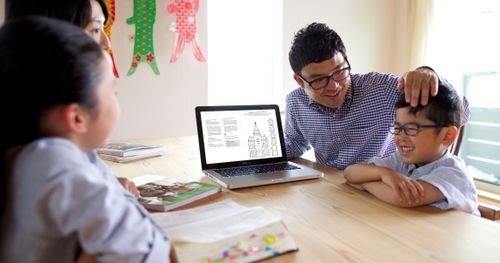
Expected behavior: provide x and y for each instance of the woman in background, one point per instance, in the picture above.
(90, 15)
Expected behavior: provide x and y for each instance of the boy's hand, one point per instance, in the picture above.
(407, 190)
(357, 186)
(86, 258)
(173, 255)
(128, 185)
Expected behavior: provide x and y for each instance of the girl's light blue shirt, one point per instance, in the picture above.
(66, 201)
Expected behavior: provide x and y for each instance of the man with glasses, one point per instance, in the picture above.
(345, 117)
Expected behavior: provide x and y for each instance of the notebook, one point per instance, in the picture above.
(243, 146)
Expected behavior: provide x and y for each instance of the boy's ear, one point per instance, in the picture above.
(298, 80)
(76, 118)
(450, 135)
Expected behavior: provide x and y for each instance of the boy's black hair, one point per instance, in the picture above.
(443, 109)
(312, 44)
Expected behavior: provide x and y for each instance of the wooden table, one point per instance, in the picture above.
(332, 222)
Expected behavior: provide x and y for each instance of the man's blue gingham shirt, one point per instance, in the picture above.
(355, 132)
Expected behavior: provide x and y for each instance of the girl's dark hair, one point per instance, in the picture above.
(313, 44)
(44, 63)
(446, 108)
(77, 12)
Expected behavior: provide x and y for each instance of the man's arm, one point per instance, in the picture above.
(295, 143)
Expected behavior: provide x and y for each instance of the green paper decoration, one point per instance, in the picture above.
(144, 19)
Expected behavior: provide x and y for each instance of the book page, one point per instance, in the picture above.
(148, 178)
(213, 222)
(216, 210)
(225, 231)
(230, 136)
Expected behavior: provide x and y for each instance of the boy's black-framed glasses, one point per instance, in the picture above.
(337, 76)
(410, 129)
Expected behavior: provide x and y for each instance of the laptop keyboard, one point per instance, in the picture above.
(239, 171)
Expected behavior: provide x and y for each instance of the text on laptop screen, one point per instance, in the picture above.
(237, 135)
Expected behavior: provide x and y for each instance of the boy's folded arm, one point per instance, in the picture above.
(387, 194)
(382, 191)
(431, 194)
(361, 173)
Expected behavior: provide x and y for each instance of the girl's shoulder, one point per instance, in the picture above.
(50, 147)
(51, 155)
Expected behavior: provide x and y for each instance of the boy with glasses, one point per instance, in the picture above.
(343, 116)
(423, 171)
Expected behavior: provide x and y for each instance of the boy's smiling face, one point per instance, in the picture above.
(427, 145)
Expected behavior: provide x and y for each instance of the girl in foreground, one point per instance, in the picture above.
(60, 103)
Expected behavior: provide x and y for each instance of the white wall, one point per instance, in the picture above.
(159, 105)
(374, 32)
(155, 106)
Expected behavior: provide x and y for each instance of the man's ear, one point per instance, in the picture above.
(76, 118)
(450, 135)
(298, 80)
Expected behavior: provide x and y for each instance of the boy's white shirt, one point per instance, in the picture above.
(449, 174)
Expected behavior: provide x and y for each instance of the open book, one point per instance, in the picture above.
(163, 194)
(225, 232)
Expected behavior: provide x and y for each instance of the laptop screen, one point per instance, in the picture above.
(239, 133)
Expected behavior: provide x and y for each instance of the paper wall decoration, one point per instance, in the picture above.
(144, 19)
(185, 25)
(107, 29)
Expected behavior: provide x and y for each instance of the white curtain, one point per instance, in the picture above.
(420, 17)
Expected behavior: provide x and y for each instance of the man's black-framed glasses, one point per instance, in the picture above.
(410, 129)
(322, 82)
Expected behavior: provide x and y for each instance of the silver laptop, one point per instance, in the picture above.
(243, 146)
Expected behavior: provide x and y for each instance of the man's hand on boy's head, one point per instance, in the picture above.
(419, 84)
(407, 190)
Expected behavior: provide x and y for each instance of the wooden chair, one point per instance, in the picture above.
(455, 147)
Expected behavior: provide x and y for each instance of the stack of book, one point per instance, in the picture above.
(127, 152)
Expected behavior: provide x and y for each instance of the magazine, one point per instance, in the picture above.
(130, 149)
(225, 232)
(120, 159)
(158, 193)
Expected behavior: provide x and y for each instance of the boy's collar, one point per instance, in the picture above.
(424, 169)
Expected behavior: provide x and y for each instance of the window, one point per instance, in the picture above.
(463, 47)
(481, 146)
(245, 52)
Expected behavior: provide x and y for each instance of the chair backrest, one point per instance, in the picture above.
(455, 147)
